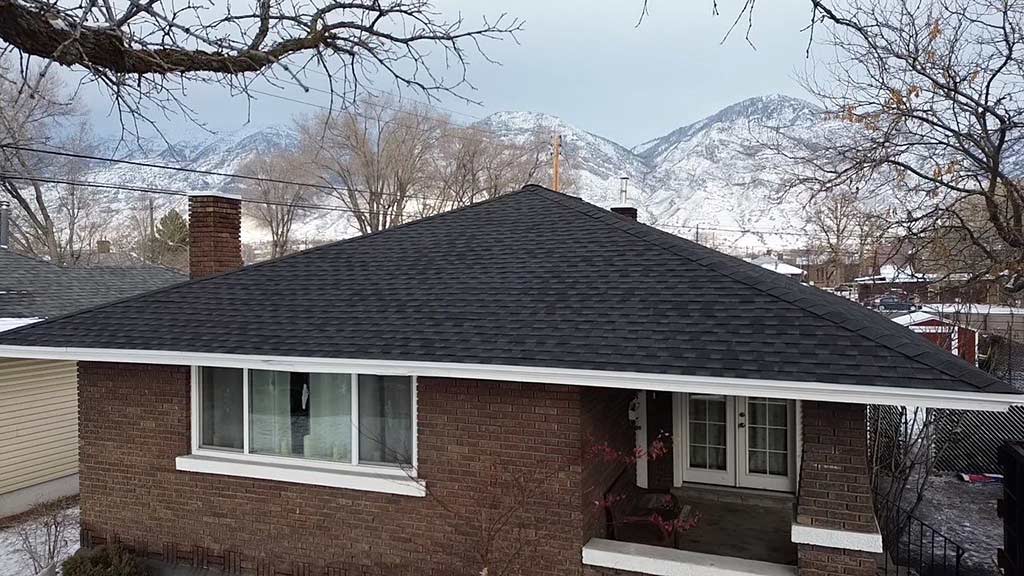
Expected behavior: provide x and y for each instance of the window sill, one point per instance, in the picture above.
(302, 473)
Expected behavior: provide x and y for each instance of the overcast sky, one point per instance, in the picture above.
(585, 61)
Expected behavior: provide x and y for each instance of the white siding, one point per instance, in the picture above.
(38, 422)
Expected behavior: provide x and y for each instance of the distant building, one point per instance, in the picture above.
(958, 339)
(39, 397)
(775, 265)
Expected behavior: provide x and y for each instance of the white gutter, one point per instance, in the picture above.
(789, 389)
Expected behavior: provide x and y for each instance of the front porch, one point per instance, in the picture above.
(746, 524)
(732, 485)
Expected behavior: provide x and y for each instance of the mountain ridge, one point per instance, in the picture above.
(713, 173)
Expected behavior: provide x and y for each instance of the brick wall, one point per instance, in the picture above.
(835, 490)
(605, 420)
(214, 229)
(482, 445)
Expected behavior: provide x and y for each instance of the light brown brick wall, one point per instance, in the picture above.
(835, 489)
(214, 229)
(477, 439)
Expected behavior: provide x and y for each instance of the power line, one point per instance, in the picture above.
(136, 163)
(170, 192)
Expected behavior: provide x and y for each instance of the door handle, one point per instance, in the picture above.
(743, 414)
(742, 425)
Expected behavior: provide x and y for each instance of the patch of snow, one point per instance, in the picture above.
(13, 559)
(974, 309)
(914, 318)
(12, 323)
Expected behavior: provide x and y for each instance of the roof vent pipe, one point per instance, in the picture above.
(626, 211)
(5, 224)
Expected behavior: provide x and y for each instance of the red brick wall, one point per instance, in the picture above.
(214, 230)
(482, 446)
(835, 490)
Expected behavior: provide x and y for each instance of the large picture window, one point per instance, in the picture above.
(356, 419)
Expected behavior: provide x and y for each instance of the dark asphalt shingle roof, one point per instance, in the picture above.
(32, 288)
(534, 278)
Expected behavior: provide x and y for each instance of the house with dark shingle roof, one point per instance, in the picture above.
(476, 392)
(38, 397)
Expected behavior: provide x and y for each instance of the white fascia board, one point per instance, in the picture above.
(831, 538)
(662, 561)
(787, 389)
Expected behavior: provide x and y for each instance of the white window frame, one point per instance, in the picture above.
(393, 479)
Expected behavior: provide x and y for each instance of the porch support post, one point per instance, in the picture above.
(835, 530)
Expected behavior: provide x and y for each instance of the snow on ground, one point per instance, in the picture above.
(966, 513)
(13, 559)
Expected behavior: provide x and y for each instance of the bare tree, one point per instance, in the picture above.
(47, 536)
(279, 194)
(474, 163)
(373, 158)
(53, 218)
(929, 91)
(833, 221)
(145, 53)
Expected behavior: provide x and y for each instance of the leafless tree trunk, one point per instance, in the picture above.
(279, 194)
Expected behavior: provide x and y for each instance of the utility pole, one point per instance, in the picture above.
(556, 184)
(696, 234)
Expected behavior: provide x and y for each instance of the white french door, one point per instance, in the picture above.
(736, 441)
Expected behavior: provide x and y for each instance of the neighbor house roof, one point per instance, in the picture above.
(775, 265)
(33, 288)
(534, 278)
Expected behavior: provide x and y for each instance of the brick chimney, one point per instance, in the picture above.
(103, 246)
(625, 211)
(214, 231)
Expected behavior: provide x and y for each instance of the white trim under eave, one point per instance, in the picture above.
(788, 389)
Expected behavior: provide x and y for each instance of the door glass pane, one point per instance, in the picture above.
(777, 414)
(698, 433)
(768, 437)
(716, 435)
(778, 464)
(698, 456)
(758, 462)
(707, 441)
(698, 410)
(758, 441)
(757, 412)
(716, 458)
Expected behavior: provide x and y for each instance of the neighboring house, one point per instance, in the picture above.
(429, 400)
(893, 279)
(38, 398)
(772, 263)
(947, 334)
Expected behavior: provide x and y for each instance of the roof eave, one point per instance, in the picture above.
(789, 389)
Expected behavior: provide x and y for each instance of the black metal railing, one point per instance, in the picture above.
(914, 547)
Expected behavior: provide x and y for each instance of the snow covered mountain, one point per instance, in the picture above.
(718, 174)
